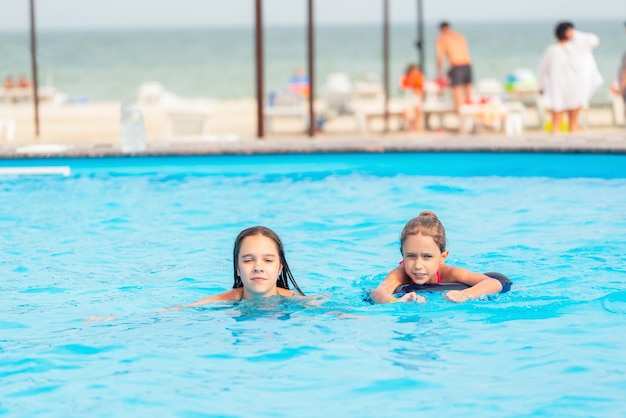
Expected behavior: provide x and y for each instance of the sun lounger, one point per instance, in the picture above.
(189, 118)
(437, 102)
(495, 115)
(440, 108)
(24, 94)
(487, 87)
(285, 105)
(366, 111)
(338, 93)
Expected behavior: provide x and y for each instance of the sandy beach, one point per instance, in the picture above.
(84, 128)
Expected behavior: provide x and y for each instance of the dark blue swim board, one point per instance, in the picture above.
(442, 287)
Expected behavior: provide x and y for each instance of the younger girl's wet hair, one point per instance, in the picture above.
(561, 30)
(285, 276)
(426, 224)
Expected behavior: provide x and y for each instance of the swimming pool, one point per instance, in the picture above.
(125, 237)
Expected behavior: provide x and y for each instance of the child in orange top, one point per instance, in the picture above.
(412, 82)
(423, 248)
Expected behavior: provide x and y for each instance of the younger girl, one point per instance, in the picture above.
(423, 248)
(259, 268)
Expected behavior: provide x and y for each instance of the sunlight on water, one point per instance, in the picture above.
(120, 239)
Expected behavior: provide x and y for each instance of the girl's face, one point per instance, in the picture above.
(259, 266)
(422, 258)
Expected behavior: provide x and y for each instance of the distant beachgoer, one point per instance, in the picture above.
(259, 267)
(423, 249)
(452, 46)
(22, 81)
(412, 82)
(299, 83)
(568, 75)
(9, 83)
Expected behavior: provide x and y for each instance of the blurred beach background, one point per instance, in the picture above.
(96, 55)
(105, 65)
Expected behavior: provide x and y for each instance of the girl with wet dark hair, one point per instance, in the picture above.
(260, 269)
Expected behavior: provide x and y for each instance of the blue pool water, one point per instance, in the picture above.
(125, 237)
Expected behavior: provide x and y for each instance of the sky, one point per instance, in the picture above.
(111, 14)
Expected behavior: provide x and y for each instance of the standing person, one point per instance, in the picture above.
(568, 74)
(9, 83)
(412, 82)
(23, 82)
(423, 249)
(260, 269)
(452, 46)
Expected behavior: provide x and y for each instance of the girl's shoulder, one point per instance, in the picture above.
(397, 277)
(229, 295)
(450, 273)
(286, 292)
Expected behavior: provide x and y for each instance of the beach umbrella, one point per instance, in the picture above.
(33, 55)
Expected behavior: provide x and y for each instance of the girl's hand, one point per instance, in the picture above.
(412, 297)
(456, 296)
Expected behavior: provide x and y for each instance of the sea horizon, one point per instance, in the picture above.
(218, 61)
(140, 27)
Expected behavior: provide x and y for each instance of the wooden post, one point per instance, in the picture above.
(420, 36)
(258, 38)
(33, 58)
(386, 61)
(311, 67)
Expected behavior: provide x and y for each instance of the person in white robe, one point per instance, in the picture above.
(569, 75)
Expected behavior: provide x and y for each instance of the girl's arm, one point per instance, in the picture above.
(384, 292)
(287, 293)
(232, 295)
(480, 284)
(585, 41)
